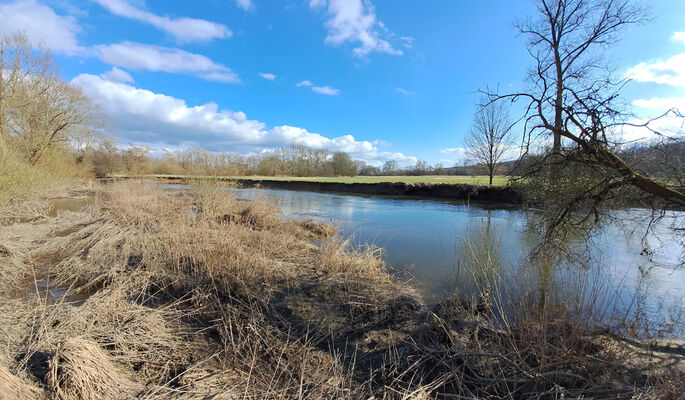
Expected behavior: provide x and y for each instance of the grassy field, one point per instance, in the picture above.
(473, 180)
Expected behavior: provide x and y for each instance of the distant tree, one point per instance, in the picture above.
(105, 158)
(343, 165)
(136, 159)
(319, 158)
(390, 167)
(489, 137)
(269, 165)
(421, 168)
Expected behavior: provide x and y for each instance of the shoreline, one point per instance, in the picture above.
(452, 191)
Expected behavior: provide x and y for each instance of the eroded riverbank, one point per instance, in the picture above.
(454, 191)
(198, 294)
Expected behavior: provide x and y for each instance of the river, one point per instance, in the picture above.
(435, 244)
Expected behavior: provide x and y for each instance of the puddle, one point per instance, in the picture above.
(74, 204)
(48, 292)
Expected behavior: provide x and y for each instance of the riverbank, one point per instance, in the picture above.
(455, 191)
(196, 294)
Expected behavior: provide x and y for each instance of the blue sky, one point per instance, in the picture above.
(381, 79)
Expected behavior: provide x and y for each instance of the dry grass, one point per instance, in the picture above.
(181, 291)
(23, 187)
(195, 295)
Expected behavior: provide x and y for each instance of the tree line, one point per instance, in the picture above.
(107, 158)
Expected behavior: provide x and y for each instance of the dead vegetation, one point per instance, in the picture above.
(198, 295)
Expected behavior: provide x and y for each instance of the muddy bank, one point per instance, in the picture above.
(501, 194)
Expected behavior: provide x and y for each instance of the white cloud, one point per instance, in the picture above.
(136, 56)
(678, 37)
(41, 25)
(325, 90)
(117, 75)
(354, 21)
(244, 4)
(454, 150)
(183, 29)
(267, 76)
(668, 125)
(164, 122)
(669, 72)
(661, 103)
(405, 92)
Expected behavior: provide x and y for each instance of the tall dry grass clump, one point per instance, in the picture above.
(80, 369)
(186, 294)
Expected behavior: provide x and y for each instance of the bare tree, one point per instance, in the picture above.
(19, 65)
(573, 97)
(38, 109)
(488, 138)
(389, 167)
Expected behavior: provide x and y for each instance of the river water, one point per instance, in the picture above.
(436, 243)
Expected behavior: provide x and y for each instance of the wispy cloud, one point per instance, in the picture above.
(405, 92)
(408, 41)
(183, 29)
(244, 4)
(267, 76)
(325, 90)
(41, 25)
(136, 56)
(678, 37)
(453, 150)
(317, 3)
(355, 22)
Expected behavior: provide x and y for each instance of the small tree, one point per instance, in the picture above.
(488, 138)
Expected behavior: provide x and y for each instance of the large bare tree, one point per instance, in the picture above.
(38, 109)
(488, 138)
(573, 98)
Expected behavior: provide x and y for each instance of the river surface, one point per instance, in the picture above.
(436, 243)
